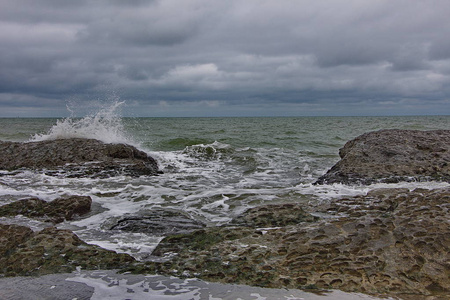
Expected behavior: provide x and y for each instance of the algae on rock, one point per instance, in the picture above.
(56, 211)
(396, 242)
(24, 252)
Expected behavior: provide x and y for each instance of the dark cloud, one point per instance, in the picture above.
(226, 57)
(440, 50)
(139, 27)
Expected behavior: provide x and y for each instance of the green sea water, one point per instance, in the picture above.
(166, 134)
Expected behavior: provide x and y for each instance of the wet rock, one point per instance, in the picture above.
(56, 211)
(159, 222)
(77, 158)
(392, 156)
(11, 236)
(274, 216)
(24, 252)
(200, 240)
(392, 241)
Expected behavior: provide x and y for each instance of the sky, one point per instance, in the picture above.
(206, 58)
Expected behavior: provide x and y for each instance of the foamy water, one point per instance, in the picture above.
(104, 125)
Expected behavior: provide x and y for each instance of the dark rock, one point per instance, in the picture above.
(77, 158)
(199, 240)
(159, 222)
(274, 216)
(55, 211)
(24, 252)
(390, 241)
(392, 156)
(11, 236)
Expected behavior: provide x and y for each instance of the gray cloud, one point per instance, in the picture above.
(142, 26)
(226, 57)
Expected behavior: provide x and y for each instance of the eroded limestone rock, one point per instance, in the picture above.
(388, 241)
(274, 216)
(391, 156)
(56, 211)
(159, 222)
(77, 158)
(24, 252)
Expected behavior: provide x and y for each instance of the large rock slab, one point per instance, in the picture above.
(24, 252)
(275, 215)
(390, 241)
(158, 222)
(391, 156)
(56, 211)
(77, 158)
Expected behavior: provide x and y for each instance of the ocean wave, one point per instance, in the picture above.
(175, 144)
(212, 151)
(104, 125)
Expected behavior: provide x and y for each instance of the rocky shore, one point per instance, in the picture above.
(390, 241)
(395, 242)
(392, 156)
(24, 252)
(77, 158)
(56, 211)
(52, 250)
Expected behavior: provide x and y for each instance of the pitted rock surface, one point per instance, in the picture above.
(390, 241)
(159, 222)
(275, 215)
(24, 252)
(77, 158)
(391, 156)
(56, 211)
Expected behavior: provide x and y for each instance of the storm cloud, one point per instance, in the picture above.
(213, 58)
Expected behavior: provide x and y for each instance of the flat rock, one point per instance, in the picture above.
(77, 158)
(56, 211)
(159, 222)
(391, 156)
(274, 215)
(24, 252)
(391, 242)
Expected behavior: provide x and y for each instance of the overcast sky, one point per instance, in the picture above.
(225, 57)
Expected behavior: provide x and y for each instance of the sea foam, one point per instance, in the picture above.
(104, 125)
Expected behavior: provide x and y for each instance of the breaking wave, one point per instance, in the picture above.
(212, 151)
(104, 125)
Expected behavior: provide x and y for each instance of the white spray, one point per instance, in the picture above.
(104, 125)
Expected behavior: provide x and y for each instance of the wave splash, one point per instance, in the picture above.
(104, 125)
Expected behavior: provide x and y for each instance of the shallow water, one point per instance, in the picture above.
(99, 285)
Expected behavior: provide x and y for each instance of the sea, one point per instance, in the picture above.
(213, 169)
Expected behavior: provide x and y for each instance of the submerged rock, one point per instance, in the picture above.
(77, 158)
(159, 222)
(56, 211)
(389, 241)
(392, 156)
(24, 252)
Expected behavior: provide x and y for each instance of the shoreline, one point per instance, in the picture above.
(388, 241)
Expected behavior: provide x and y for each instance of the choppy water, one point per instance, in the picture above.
(214, 168)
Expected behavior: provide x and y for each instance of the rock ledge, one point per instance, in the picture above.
(392, 155)
(390, 241)
(77, 158)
